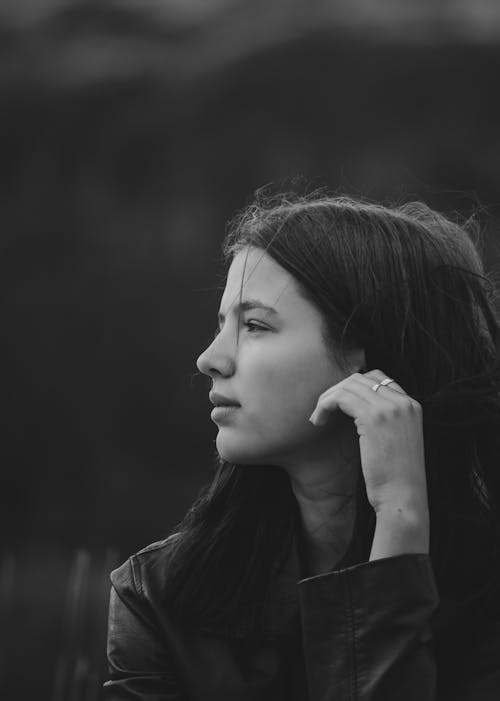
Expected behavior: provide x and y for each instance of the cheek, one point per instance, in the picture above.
(286, 391)
(279, 393)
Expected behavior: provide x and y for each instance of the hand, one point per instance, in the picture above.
(389, 425)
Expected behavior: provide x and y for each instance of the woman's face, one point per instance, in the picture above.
(275, 372)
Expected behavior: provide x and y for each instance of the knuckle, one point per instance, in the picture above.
(396, 410)
(390, 412)
(416, 406)
(379, 416)
(322, 402)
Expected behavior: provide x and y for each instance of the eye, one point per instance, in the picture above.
(253, 328)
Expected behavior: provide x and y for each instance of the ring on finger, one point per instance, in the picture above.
(387, 381)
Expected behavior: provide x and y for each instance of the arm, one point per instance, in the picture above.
(366, 631)
(366, 628)
(367, 634)
(140, 668)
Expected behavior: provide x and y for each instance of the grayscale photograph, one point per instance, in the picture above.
(250, 271)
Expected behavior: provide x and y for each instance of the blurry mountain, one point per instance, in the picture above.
(70, 41)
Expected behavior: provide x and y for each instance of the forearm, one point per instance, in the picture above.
(366, 631)
(401, 529)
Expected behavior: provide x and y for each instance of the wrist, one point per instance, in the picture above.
(401, 530)
(413, 509)
(407, 503)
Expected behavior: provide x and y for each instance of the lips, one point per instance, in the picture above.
(221, 400)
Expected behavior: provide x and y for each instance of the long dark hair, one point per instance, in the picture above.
(408, 285)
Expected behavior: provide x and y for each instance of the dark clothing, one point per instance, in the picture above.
(368, 632)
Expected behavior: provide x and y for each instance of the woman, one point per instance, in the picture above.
(348, 545)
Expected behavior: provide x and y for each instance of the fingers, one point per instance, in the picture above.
(338, 397)
(355, 395)
(378, 376)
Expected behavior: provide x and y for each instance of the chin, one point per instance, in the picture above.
(241, 453)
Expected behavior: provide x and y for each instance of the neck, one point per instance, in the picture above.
(324, 487)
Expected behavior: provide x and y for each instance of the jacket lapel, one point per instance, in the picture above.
(278, 614)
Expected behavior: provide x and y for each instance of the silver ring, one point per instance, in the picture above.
(387, 381)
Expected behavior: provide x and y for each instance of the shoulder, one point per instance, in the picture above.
(143, 574)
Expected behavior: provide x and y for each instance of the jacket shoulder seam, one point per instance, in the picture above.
(136, 574)
(157, 545)
(139, 557)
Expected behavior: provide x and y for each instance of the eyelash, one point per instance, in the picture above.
(256, 327)
(250, 325)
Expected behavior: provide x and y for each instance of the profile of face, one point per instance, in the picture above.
(275, 370)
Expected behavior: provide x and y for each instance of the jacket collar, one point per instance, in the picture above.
(279, 615)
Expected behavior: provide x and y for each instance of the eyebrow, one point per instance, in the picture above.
(246, 305)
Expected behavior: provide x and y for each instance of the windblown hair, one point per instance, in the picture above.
(408, 286)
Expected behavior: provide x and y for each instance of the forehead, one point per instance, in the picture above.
(257, 275)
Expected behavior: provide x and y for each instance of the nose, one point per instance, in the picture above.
(218, 359)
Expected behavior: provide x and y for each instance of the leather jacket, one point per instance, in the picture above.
(374, 631)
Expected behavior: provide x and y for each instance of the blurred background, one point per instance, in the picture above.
(130, 132)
